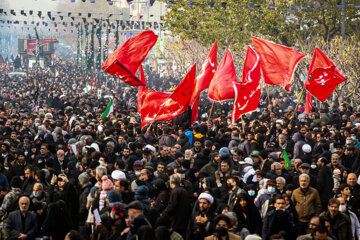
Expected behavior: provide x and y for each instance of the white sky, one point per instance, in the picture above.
(30, 4)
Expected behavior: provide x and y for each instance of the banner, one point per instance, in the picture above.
(31, 44)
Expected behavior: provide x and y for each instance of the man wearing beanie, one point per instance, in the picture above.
(177, 163)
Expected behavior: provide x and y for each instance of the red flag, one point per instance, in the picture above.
(277, 62)
(203, 79)
(248, 91)
(158, 106)
(323, 76)
(141, 89)
(308, 103)
(126, 59)
(151, 102)
(221, 87)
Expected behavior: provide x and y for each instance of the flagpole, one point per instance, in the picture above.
(211, 110)
(297, 104)
(243, 124)
(267, 92)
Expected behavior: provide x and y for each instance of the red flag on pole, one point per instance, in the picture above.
(126, 59)
(203, 79)
(221, 86)
(277, 62)
(151, 102)
(141, 89)
(308, 103)
(158, 106)
(248, 91)
(323, 76)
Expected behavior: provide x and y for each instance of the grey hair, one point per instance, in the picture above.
(276, 164)
(112, 144)
(253, 237)
(304, 175)
(39, 185)
(281, 179)
(335, 155)
(101, 171)
(232, 216)
(175, 179)
(187, 150)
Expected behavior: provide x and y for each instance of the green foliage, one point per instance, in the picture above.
(237, 22)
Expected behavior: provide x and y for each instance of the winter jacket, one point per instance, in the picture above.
(245, 147)
(355, 225)
(276, 221)
(234, 142)
(83, 212)
(166, 140)
(307, 204)
(210, 168)
(325, 184)
(341, 227)
(178, 208)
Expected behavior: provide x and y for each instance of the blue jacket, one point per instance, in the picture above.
(4, 182)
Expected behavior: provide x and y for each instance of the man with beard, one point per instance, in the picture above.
(60, 163)
(29, 180)
(203, 214)
(18, 169)
(278, 219)
(340, 223)
(22, 224)
(164, 156)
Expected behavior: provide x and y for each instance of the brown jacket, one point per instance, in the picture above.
(307, 205)
(231, 237)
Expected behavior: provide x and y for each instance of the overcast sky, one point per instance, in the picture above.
(30, 4)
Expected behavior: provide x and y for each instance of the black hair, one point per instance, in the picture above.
(224, 218)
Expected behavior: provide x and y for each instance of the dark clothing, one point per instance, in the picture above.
(276, 221)
(245, 147)
(210, 168)
(325, 184)
(83, 212)
(15, 225)
(27, 186)
(248, 217)
(340, 225)
(178, 209)
(167, 140)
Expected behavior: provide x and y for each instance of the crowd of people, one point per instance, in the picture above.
(65, 173)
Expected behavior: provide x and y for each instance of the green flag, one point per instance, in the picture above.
(88, 88)
(108, 111)
(286, 159)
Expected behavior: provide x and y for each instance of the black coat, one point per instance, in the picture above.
(83, 212)
(276, 221)
(249, 217)
(14, 225)
(178, 208)
(325, 184)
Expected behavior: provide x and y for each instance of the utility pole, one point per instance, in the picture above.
(343, 18)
